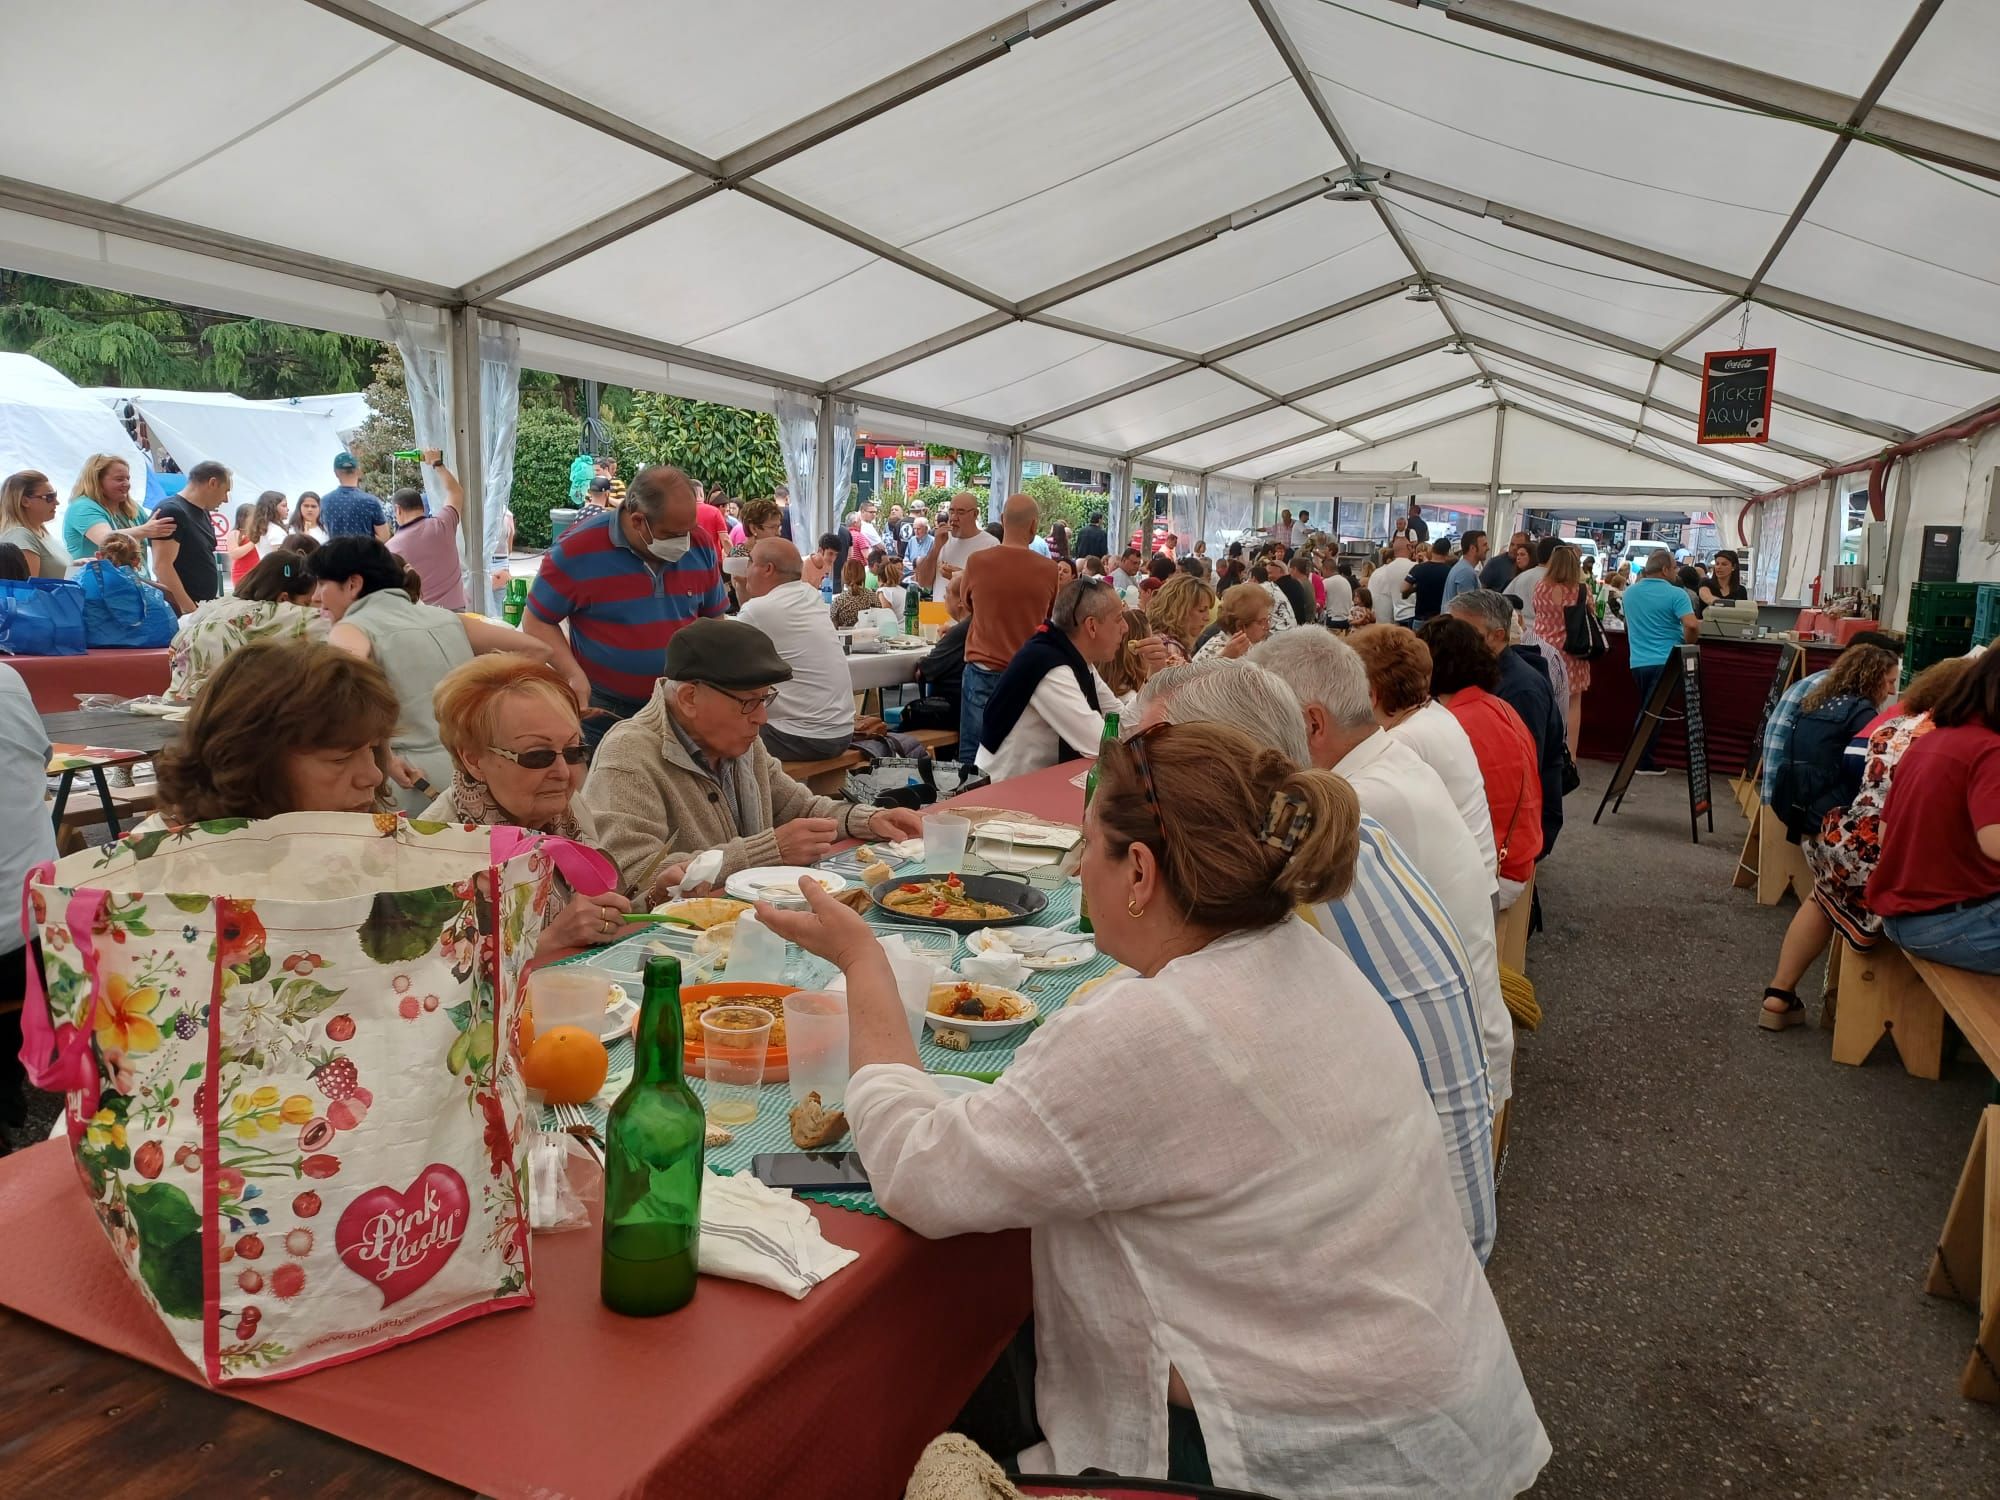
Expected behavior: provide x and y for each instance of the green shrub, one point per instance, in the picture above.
(1058, 502)
(545, 441)
(722, 446)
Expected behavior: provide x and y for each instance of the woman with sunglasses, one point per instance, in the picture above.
(27, 506)
(517, 752)
(1250, 1269)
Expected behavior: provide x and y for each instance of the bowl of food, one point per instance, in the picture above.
(697, 999)
(984, 1012)
(963, 903)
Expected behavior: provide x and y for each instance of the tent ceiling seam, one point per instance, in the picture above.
(1348, 425)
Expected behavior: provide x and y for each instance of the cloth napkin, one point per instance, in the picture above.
(765, 1236)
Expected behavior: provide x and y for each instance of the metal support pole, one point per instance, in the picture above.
(1200, 515)
(468, 453)
(826, 483)
(1493, 480)
(1121, 505)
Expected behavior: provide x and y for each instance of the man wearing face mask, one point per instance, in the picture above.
(626, 581)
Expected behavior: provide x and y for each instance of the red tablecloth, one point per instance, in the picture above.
(56, 680)
(745, 1393)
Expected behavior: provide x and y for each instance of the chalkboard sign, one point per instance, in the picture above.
(1791, 657)
(1682, 675)
(1736, 396)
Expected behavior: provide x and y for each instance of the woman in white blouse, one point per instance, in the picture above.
(1249, 1268)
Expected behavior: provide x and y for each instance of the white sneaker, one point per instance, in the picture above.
(1650, 771)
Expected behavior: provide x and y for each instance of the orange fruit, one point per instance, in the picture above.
(567, 1064)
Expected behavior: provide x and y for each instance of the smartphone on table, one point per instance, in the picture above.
(813, 1171)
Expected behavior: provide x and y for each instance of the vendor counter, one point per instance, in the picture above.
(1735, 680)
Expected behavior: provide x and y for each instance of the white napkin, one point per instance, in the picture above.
(765, 1236)
(704, 869)
(1031, 942)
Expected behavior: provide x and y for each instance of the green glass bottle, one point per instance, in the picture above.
(653, 1149)
(408, 455)
(1089, 791)
(911, 596)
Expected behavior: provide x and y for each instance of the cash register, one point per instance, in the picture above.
(1730, 619)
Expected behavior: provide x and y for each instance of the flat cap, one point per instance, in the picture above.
(725, 653)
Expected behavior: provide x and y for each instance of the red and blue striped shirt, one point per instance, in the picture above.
(623, 608)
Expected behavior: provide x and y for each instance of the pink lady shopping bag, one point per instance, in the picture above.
(289, 1094)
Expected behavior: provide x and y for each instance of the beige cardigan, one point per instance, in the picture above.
(653, 806)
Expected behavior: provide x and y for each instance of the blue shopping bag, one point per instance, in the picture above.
(41, 617)
(122, 609)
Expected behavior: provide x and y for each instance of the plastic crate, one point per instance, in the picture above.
(1986, 613)
(1943, 606)
(1923, 647)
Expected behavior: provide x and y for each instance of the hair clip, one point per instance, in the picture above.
(1286, 821)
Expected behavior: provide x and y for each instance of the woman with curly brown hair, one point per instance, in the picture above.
(1190, 1116)
(278, 728)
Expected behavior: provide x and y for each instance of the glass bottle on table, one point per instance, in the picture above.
(653, 1151)
(1090, 791)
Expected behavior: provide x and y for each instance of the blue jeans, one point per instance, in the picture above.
(974, 695)
(1645, 679)
(1965, 939)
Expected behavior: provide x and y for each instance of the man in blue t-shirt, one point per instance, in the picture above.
(349, 510)
(1659, 616)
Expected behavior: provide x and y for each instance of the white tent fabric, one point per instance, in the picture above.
(267, 445)
(1556, 207)
(49, 424)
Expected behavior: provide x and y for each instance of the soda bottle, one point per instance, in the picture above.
(910, 610)
(653, 1150)
(1089, 791)
(408, 455)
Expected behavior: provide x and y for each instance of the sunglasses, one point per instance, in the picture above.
(542, 756)
(1137, 745)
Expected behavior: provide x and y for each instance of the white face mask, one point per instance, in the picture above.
(668, 548)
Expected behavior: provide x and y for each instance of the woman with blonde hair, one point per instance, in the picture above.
(1181, 1119)
(1127, 672)
(892, 595)
(1242, 619)
(518, 758)
(1177, 612)
(27, 505)
(1561, 587)
(101, 506)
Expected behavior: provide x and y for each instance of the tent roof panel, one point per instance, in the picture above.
(1459, 452)
(1131, 422)
(1015, 372)
(1534, 451)
(1710, 461)
(1249, 279)
(1445, 404)
(1341, 344)
(518, 174)
(1948, 75)
(1604, 157)
(1238, 437)
(1410, 378)
(1482, 322)
(1615, 408)
(1312, 450)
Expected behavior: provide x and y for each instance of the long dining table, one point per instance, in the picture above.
(745, 1393)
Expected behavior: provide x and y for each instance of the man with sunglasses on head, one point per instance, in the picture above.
(689, 772)
(626, 582)
(812, 714)
(1049, 705)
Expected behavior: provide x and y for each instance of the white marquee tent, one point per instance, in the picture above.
(1094, 230)
(268, 445)
(50, 425)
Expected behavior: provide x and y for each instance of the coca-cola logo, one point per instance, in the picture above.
(399, 1240)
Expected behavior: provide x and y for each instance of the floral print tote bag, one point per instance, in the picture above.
(289, 1090)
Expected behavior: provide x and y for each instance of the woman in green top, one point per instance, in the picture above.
(101, 506)
(27, 505)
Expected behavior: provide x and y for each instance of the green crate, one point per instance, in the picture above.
(1922, 647)
(1986, 613)
(1946, 606)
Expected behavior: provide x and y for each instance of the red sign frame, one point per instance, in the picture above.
(1708, 374)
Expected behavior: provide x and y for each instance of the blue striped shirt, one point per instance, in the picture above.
(1778, 733)
(1394, 927)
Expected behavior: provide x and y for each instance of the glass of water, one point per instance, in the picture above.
(816, 1044)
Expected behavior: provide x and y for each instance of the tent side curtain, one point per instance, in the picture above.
(499, 414)
(798, 438)
(1231, 510)
(1183, 498)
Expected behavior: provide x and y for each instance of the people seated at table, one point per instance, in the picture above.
(1524, 685)
(1249, 1266)
(518, 757)
(812, 711)
(893, 595)
(1936, 885)
(1399, 684)
(855, 595)
(1242, 619)
(1049, 704)
(27, 508)
(281, 727)
(1843, 850)
(941, 674)
(1159, 568)
(101, 505)
(1391, 922)
(688, 772)
(273, 603)
(1178, 612)
(303, 542)
(27, 839)
(1464, 674)
(365, 591)
(1778, 728)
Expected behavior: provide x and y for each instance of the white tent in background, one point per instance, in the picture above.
(50, 424)
(348, 410)
(268, 445)
(1192, 240)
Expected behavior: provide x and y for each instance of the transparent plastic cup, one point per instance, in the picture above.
(734, 1041)
(945, 838)
(573, 995)
(816, 1044)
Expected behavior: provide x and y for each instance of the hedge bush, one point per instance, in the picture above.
(546, 439)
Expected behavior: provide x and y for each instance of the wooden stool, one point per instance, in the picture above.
(1879, 992)
(1510, 929)
(1966, 1263)
(1771, 862)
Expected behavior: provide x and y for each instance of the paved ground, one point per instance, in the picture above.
(1712, 1238)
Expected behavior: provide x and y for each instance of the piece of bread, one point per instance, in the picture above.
(815, 1126)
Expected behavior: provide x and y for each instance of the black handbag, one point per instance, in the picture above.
(933, 712)
(1583, 637)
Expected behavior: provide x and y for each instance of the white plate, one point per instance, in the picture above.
(618, 1018)
(1059, 956)
(953, 1084)
(779, 884)
(985, 1031)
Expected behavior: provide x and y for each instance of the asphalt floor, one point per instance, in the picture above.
(1713, 1239)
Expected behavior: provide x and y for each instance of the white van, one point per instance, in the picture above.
(1633, 558)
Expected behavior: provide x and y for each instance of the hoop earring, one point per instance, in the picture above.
(1134, 909)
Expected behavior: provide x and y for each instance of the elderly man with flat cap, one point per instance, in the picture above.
(688, 772)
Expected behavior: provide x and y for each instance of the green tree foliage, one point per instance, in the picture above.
(544, 443)
(1058, 502)
(388, 430)
(96, 337)
(719, 445)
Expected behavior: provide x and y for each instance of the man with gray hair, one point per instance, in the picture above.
(812, 711)
(1526, 687)
(1401, 791)
(1390, 922)
(1049, 704)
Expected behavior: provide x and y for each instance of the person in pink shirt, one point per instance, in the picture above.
(429, 543)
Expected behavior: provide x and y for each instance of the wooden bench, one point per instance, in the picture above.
(828, 776)
(131, 803)
(1770, 862)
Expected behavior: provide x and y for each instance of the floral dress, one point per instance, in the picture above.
(1850, 839)
(207, 636)
(848, 604)
(1550, 600)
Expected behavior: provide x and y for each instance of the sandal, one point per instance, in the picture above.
(1793, 1014)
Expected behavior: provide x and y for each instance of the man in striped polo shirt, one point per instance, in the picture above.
(626, 581)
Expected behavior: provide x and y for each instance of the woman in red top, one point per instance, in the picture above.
(1936, 884)
(1562, 586)
(1464, 672)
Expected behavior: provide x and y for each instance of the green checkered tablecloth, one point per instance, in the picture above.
(771, 1130)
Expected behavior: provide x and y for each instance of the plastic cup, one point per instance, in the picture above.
(945, 837)
(816, 1044)
(914, 978)
(573, 995)
(734, 1040)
